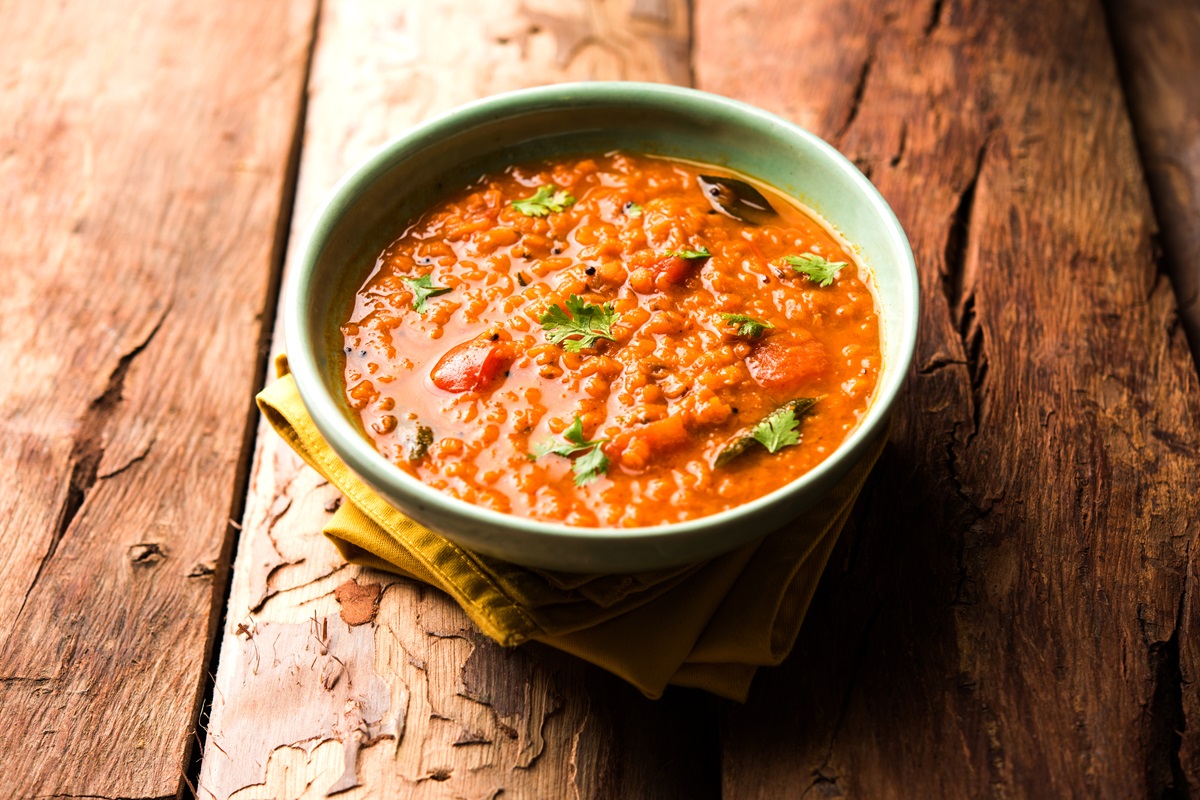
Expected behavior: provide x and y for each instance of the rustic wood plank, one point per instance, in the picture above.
(334, 677)
(1159, 48)
(1015, 611)
(1158, 45)
(143, 154)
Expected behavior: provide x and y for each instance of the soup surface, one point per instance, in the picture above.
(614, 340)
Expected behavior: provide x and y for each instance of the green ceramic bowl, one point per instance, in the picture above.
(372, 203)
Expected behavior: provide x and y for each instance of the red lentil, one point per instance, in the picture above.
(475, 372)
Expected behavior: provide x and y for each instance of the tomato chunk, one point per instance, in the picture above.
(787, 361)
(471, 366)
(672, 271)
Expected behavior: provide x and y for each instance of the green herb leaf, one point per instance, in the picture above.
(747, 326)
(423, 289)
(574, 434)
(701, 253)
(777, 431)
(575, 443)
(815, 267)
(545, 200)
(589, 322)
(589, 466)
(633, 210)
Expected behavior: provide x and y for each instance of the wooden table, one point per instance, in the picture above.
(1011, 613)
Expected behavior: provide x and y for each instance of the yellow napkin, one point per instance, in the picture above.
(708, 625)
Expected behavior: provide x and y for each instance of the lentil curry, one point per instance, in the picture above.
(613, 340)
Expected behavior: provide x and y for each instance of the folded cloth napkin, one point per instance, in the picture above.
(707, 625)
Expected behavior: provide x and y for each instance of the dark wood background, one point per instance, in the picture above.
(1011, 612)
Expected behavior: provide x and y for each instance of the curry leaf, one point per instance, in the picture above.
(775, 431)
(701, 253)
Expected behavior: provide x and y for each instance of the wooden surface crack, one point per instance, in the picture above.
(902, 144)
(959, 285)
(957, 246)
(1164, 719)
(87, 451)
(820, 775)
(137, 458)
(860, 88)
(939, 363)
(936, 10)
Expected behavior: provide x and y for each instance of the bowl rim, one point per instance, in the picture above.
(361, 456)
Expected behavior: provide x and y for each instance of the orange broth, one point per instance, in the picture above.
(462, 393)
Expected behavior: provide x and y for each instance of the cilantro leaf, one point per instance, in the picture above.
(701, 253)
(589, 466)
(423, 289)
(747, 326)
(778, 430)
(574, 434)
(775, 431)
(545, 200)
(633, 210)
(816, 267)
(589, 322)
(575, 443)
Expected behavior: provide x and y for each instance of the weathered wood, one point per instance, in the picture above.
(320, 689)
(143, 154)
(1158, 44)
(1015, 614)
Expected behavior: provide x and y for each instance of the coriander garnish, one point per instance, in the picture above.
(746, 326)
(774, 432)
(423, 289)
(633, 210)
(545, 200)
(778, 430)
(589, 322)
(589, 466)
(816, 267)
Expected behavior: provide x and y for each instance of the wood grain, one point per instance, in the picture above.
(1159, 48)
(143, 153)
(1014, 615)
(411, 700)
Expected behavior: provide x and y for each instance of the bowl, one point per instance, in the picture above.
(401, 179)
